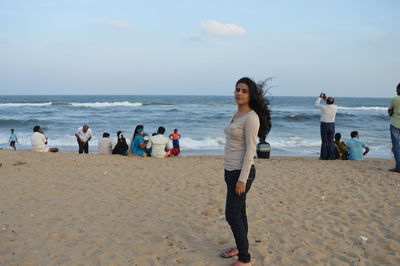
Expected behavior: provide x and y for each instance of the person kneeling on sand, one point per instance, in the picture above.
(39, 141)
(159, 144)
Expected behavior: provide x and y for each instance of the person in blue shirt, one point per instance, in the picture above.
(356, 146)
(13, 139)
(138, 143)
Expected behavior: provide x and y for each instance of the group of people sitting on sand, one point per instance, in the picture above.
(141, 144)
(353, 149)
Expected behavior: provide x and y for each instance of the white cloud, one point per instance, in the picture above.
(116, 24)
(216, 28)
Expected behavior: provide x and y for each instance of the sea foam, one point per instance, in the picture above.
(74, 104)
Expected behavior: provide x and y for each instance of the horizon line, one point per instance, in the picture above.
(222, 95)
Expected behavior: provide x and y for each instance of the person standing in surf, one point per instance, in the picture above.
(251, 120)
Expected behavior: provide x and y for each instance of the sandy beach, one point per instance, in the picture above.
(110, 210)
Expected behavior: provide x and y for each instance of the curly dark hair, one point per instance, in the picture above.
(259, 103)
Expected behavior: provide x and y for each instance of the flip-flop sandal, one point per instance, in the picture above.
(229, 253)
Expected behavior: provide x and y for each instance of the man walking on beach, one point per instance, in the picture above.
(394, 113)
(83, 136)
(328, 115)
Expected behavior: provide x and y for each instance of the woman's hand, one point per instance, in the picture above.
(240, 188)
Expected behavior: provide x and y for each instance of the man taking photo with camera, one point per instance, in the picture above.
(328, 115)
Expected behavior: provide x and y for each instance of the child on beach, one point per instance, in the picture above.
(13, 139)
(175, 139)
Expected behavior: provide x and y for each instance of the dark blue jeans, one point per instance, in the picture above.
(83, 148)
(327, 146)
(235, 211)
(395, 136)
(175, 144)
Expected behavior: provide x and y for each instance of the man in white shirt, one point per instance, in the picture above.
(105, 144)
(83, 136)
(328, 116)
(159, 144)
(39, 141)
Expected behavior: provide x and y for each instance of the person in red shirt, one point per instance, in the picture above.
(175, 142)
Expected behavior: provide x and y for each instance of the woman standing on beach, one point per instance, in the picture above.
(252, 119)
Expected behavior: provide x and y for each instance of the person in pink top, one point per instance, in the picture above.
(251, 120)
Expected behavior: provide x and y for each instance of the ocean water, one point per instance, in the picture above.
(200, 120)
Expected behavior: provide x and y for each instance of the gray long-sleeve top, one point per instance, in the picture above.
(240, 147)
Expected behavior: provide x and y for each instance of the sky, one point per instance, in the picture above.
(343, 47)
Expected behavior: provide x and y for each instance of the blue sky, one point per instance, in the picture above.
(345, 48)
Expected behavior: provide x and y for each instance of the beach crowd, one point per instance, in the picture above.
(157, 145)
(140, 144)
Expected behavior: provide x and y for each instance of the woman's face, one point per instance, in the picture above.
(242, 94)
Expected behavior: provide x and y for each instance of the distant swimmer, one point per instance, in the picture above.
(327, 127)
